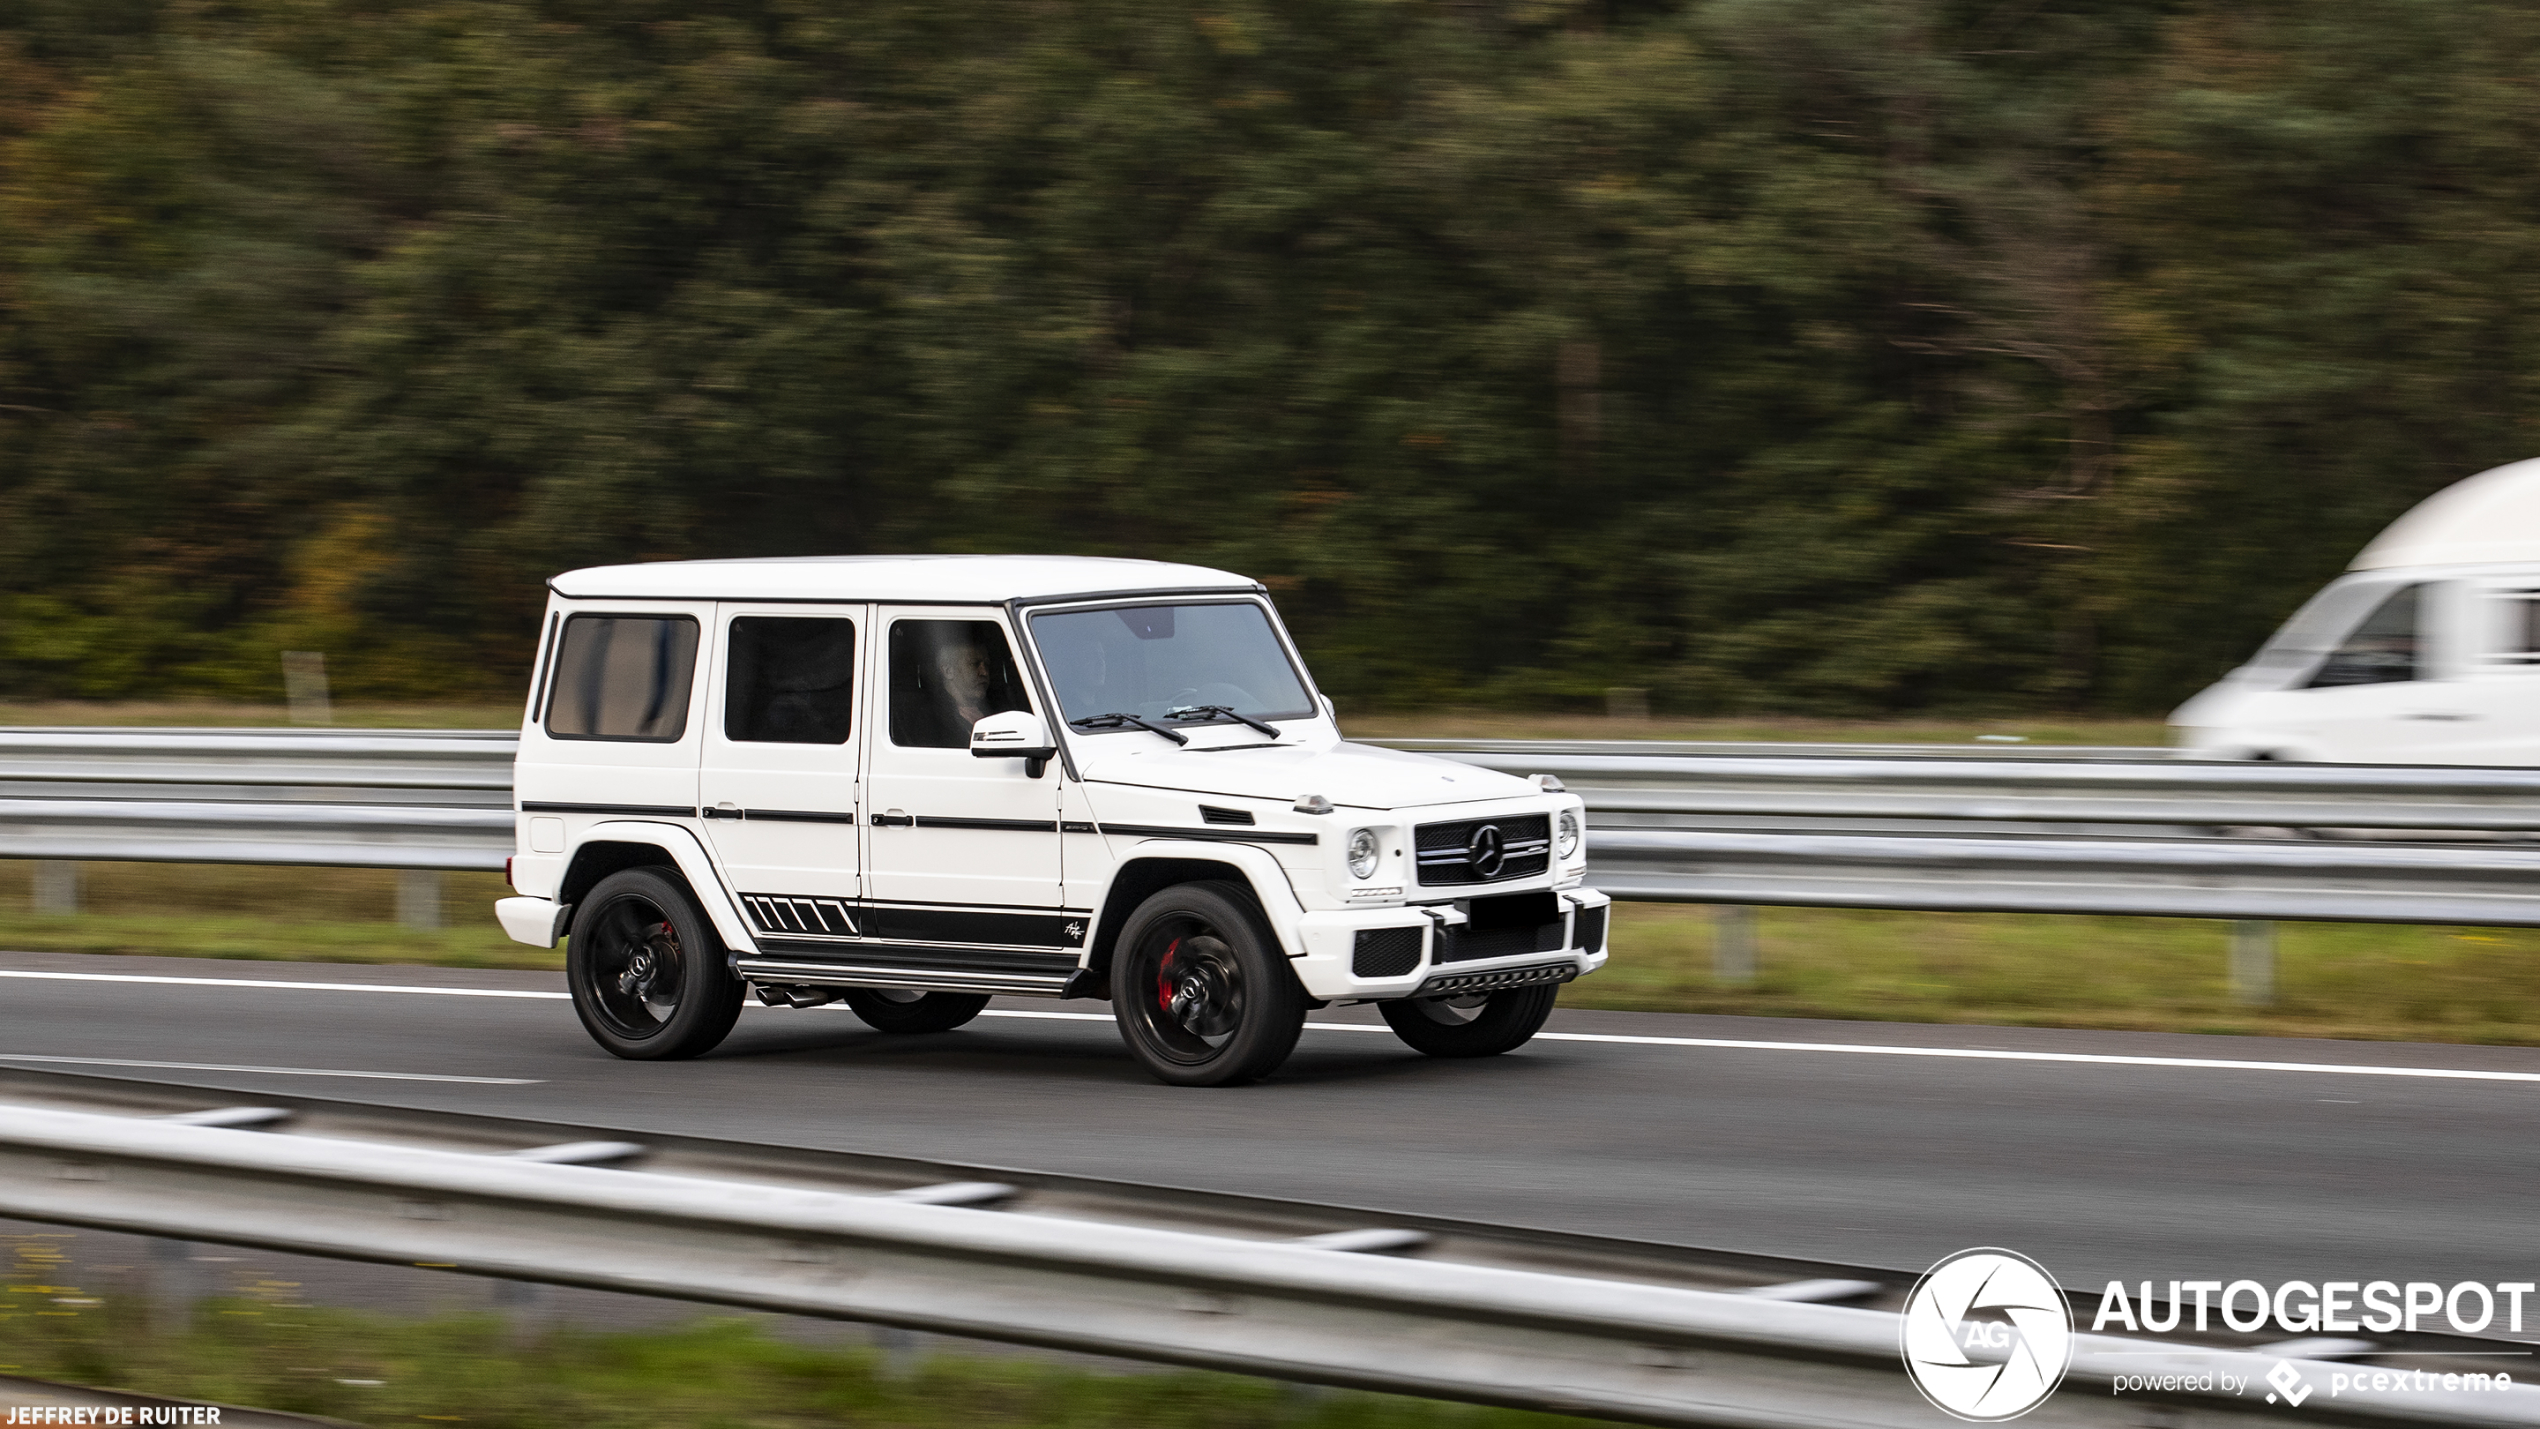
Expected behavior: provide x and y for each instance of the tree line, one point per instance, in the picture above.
(1848, 357)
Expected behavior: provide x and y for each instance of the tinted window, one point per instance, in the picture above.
(2522, 628)
(947, 675)
(1152, 660)
(2382, 650)
(789, 680)
(624, 677)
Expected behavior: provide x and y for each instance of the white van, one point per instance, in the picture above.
(913, 783)
(2427, 652)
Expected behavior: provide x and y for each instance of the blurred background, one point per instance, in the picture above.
(1856, 359)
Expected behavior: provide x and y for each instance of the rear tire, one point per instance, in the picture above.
(647, 971)
(1474, 1026)
(891, 1009)
(1203, 995)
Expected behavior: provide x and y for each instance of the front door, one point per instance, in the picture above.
(778, 787)
(959, 850)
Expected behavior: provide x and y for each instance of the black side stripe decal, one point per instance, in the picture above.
(649, 811)
(1230, 836)
(797, 816)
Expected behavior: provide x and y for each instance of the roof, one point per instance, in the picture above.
(909, 578)
(2489, 518)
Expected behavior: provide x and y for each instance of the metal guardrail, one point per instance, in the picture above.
(1969, 828)
(1288, 1309)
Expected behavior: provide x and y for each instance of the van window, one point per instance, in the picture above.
(2520, 644)
(789, 680)
(2382, 650)
(947, 675)
(624, 677)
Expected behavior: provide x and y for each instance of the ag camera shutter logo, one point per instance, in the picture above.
(1987, 1335)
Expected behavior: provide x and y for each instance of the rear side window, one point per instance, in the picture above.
(624, 677)
(947, 675)
(2382, 650)
(790, 680)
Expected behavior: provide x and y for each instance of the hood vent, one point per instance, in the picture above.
(1211, 814)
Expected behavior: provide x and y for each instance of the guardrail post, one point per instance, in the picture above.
(1733, 944)
(175, 1284)
(2253, 962)
(419, 898)
(56, 886)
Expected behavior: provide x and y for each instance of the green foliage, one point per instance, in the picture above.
(1872, 356)
(268, 1353)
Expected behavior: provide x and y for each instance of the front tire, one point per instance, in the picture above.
(647, 972)
(891, 1009)
(1203, 995)
(1482, 1025)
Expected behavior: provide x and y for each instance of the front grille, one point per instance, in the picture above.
(1385, 952)
(1496, 979)
(1519, 845)
(1590, 936)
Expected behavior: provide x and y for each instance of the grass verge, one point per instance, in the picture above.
(2150, 974)
(2346, 980)
(371, 1369)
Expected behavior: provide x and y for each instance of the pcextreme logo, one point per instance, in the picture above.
(1987, 1335)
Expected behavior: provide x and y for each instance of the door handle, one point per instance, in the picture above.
(2446, 716)
(893, 818)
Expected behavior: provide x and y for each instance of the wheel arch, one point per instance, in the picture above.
(611, 848)
(1156, 867)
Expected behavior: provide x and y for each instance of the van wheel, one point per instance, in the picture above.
(647, 970)
(1202, 993)
(1477, 1025)
(899, 1009)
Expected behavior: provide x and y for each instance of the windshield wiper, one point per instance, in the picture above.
(1124, 721)
(1222, 712)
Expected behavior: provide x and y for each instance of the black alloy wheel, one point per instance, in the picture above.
(1201, 991)
(900, 1009)
(1474, 1025)
(647, 971)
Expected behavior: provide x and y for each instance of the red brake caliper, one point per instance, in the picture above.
(1164, 978)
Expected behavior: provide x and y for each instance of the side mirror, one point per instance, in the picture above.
(1015, 734)
(1329, 713)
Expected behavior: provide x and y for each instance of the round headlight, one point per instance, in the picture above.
(1568, 838)
(1362, 853)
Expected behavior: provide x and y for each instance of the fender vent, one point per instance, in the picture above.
(1385, 952)
(1211, 814)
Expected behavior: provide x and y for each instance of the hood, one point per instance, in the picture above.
(1352, 775)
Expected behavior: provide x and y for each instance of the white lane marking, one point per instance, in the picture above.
(1731, 1044)
(2090, 1058)
(274, 1071)
(295, 986)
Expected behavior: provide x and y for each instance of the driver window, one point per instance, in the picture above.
(947, 675)
(2382, 650)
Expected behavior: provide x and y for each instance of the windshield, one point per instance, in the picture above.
(1153, 660)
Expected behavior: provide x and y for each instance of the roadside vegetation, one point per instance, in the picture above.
(374, 1369)
(1863, 358)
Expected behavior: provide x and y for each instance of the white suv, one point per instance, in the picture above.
(912, 783)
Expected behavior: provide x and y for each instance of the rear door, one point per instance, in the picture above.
(782, 747)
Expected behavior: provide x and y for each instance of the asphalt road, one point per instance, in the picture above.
(2151, 1164)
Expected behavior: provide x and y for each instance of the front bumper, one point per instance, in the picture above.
(1434, 949)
